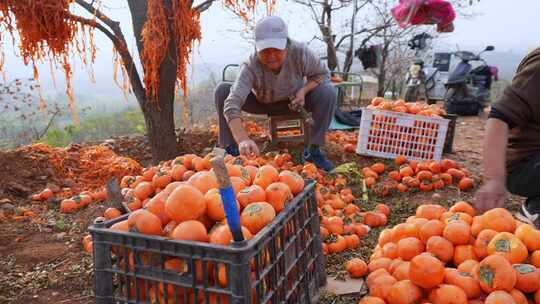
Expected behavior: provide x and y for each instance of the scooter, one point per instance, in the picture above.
(468, 88)
(418, 78)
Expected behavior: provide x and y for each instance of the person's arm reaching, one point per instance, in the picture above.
(493, 193)
(517, 106)
(233, 108)
(246, 145)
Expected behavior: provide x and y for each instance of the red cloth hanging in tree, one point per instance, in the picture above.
(416, 12)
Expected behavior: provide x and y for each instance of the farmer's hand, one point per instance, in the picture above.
(299, 100)
(491, 195)
(248, 148)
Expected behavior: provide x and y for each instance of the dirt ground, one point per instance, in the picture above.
(42, 260)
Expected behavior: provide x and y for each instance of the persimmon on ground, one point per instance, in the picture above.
(494, 262)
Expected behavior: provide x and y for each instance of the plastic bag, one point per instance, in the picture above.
(371, 57)
(494, 72)
(415, 12)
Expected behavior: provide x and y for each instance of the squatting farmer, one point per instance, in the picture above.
(280, 75)
(512, 144)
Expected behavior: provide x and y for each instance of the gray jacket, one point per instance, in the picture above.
(300, 66)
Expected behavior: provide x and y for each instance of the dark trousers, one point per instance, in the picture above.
(525, 181)
(320, 102)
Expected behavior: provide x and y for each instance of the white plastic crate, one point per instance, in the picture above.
(388, 134)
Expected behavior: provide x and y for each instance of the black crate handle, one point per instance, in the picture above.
(227, 194)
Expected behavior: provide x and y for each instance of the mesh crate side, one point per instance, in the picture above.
(389, 134)
(132, 268)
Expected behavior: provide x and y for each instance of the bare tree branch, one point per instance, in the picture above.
(372, 32)
(204, 6)
(335, 8)
(49, 124)
(120, 44)
(319, 2)
(99, 26)
(360, 7)
(101, 16)
(312, 9)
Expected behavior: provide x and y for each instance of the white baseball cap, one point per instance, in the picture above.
(271, 32)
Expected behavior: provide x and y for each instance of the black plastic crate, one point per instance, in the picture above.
(283, 263)
(465, 107)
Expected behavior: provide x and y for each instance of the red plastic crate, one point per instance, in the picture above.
(388, 134)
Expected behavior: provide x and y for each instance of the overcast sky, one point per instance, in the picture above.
(504, 24)
(508, 25)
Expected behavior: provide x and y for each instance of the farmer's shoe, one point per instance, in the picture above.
(530, 212)
(315, 155)
(232, 150)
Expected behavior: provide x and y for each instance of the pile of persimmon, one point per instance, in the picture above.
(289, 133)
(425, 176)
(343, 224)
(87, 167)
(253, 128)
(454, 256)
(349, 140)
(186, 190)
(179, 199)
(81, 200)
(346, 140)
(75, 202)
(416, 108)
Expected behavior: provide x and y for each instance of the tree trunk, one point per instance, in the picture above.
(347, 64)
(329, 37)
(394, 88)
(331, 54)
(159, 114)
(382, 78)
(382, 74)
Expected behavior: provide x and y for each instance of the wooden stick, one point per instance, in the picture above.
(115, 197)
(220, 169)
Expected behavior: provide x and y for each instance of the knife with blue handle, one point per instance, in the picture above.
(227, 194)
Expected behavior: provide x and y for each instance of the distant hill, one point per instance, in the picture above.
(105, 95)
